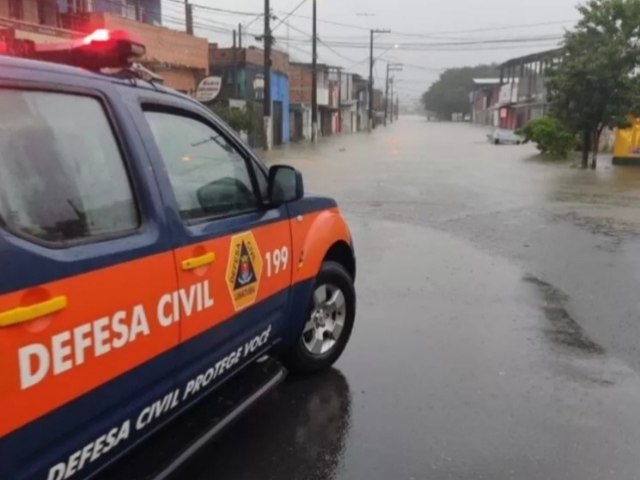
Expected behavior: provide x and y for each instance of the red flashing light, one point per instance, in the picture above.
(101, 49)
(100, 35)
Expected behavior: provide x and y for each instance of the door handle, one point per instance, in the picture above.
(195, 262)
(32, 312)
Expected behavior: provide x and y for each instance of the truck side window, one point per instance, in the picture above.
(208, 176)
(62, 177)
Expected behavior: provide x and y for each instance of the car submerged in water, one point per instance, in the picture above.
(502, 136)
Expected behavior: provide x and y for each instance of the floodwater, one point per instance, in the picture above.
(498, 320)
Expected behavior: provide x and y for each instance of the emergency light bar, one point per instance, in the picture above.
(100, 49)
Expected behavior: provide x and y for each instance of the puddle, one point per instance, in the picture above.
(562, 330)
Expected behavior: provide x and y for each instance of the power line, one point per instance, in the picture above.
(503, 27)
(335, 51)
(482, 29)
(219, 10)
(418, 45)
(329, 47)
(289, 14)
(257, 17)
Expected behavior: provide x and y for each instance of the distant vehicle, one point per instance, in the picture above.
(501, 136)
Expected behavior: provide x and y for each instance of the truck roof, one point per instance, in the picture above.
(57, 68)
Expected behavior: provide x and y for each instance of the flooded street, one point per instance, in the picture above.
(498, 321)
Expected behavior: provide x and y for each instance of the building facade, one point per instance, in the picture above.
(523, 92)
(484, 101)
(361, 96)
(180, 59)
(328, 97)
(348, 104)
(242, 73)
(300, 102)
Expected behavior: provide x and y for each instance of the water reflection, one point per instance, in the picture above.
(298, 432)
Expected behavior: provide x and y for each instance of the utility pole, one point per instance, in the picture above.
(370, 126)
(392, 78)
(235, 67)
(339, 100)
(267, 76)
(314, 76)
(370, 122)
(188, 17)
(391, 67)
(386, 96)
(240, 36)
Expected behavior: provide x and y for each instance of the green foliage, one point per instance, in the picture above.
(550, 136)
(594, 84)
(450, 94)
(240, 119)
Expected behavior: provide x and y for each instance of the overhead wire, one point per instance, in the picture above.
(283, 20)
(216, 9)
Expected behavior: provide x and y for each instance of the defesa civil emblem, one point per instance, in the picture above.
(243, 270)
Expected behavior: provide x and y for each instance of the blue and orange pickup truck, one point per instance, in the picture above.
(146, 258)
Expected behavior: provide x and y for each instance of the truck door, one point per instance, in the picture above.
(83, 264)
(232, 250)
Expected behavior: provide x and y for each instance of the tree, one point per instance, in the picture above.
(450, 94)
(594, 83)
(550, 136)
(239, 119)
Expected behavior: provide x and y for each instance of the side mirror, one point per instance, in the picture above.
(285, 184)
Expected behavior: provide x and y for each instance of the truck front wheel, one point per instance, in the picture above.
(329, 322)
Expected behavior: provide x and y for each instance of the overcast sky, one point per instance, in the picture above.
(531, 24)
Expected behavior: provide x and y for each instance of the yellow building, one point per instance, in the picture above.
(626, 149)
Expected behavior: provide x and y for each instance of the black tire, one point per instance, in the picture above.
(299, 358)
(496, 141)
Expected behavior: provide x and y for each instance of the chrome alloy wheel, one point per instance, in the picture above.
(326, 322)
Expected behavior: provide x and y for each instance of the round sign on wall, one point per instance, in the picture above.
(208, 89)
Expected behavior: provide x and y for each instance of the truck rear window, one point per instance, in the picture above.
(62, 177)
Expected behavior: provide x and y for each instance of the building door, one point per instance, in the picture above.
(277, 123)
(297, 126)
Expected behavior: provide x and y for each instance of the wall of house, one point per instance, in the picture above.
(4, 8)
(279, 60)
(280, 93)
(30, 11)
(299, 84)
(147, 11)
(182, 79)
(346, 88)
(164, 46)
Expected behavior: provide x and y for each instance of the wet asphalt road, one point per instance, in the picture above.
(498, 321)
